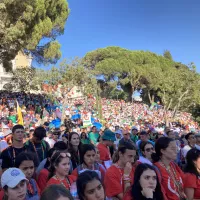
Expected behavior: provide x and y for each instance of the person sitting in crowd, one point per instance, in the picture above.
(14, 184)
(8, 156)
(93, 135)
(37, 145)
(191, 179)
(190, 137)
(171, 175)
(59, 170)
(119, 177)
(74, 149)
(146, 184)
(56, 192)
(108, 139)
(88, 158)
(146, 149)
(25, 162)
(89, 186)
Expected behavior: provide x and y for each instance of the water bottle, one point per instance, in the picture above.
(73, 191)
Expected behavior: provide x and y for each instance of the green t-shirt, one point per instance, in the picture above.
(13, 118)
(93, 137)
(85, 141)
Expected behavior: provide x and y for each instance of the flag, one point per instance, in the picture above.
(19, 115)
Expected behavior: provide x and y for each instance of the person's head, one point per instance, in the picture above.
(147, 149)
(56, 134)
(89, 186)
(193, 162)
(190, 137)
(87, 155)
(94, 129)
(171, 134)
(146, 177)
(56, 192)
(60, 164)
(39, 134)
(165, 148)
(83, 135)
(18, 132)
(25, 161)
(134, 130)
(143, 136)
(62, 127)
(126, 135)
(60, 146)
(126, 153)
(14, 184)
(74, 139)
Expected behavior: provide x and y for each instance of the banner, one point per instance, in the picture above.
(86, 117)
(19, 115)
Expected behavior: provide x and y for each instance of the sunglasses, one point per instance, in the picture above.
(63, 155)
(149, 149)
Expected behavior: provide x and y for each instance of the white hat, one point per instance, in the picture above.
(12, 177)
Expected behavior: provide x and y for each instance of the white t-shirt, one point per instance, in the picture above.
(185, 149)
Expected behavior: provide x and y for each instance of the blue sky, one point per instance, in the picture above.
(153, 25)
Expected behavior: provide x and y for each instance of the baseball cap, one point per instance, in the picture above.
(11, 177)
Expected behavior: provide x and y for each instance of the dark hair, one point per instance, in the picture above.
(192, 155)
(23, 157)
(86, 137)
(169, 131)
(188, 135)
(136, 188)
(82, 181)
(55, 160)
(49, 154)
(60, 145)
(84, 149)
(143, 144)
(18, 126)
(55, 192)
(39, 132)
(161, 143)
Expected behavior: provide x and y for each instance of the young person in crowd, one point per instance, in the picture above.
(126, 138)
(14, 184)
(146, 149)
(37, 145)
(170, 174)
(89, 186)
(146, 184)
(25, 162)
(108, 139)
(88, 162)
(93, 135)
(74, 149)
(190, 137)
(192, 169)
(56, 192)
(8, 156)
(42, 178)
(84, 138)
(134, 132)
(119, 177)
(59, 170)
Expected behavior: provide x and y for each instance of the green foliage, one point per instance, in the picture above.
(32, 26)
(167, 55)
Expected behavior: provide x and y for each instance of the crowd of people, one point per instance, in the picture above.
(133, 155)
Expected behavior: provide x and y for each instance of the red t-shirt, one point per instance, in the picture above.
(1, 194)
(191, 181)
(54, 181)
(104, 152)
(42, 179)
(113, 181)
(167, 183)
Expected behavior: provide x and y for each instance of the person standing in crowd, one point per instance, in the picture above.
(37, 145)
(56, 192)
(25, 162)
(119, 177)
(89, 186)
(74, 149)
(8, 156)
(118, 137)
(170, 174)
(87, 159)
(84, 138)
(126, 138)
(146, 149)
(59, 170)
(192, 170)
(190, 137)
(93, 135)
(108, 139)
(14, 184)
(146, 184)
(134, 132)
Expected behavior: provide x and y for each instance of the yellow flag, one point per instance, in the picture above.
(19, 115)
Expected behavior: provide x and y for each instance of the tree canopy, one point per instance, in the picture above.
(31, 26)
